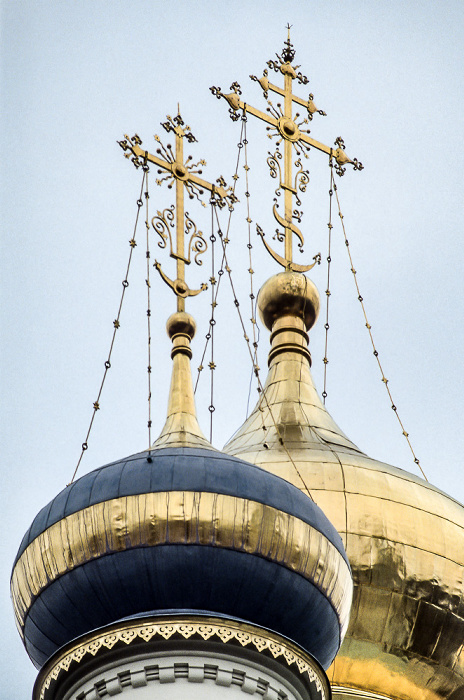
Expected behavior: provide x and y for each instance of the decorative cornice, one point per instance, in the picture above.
(188, 627)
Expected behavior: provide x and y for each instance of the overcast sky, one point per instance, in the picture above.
(75, 77)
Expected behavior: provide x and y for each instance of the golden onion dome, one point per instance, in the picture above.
(403, 536)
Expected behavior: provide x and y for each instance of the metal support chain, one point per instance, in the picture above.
(369, 328)
(220, 273)
(116, 326)
(212, 323)
(246, 167)
(147, 280)
(214, 294)
(327, 291)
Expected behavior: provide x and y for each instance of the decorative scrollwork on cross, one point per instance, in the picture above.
(301, 181)
(290, 130)
(177, 122)
(162, 223)
(234, 99)
(197, 243)
(287, 56)
(173, 169)
(128, 144)
(273, 162)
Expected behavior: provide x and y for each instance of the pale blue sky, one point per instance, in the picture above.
(75, 77)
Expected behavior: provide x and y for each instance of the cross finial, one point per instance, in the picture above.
(290, 129)
(185, 174)
(288, 54)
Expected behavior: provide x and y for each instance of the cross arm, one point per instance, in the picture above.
(179, 172)
(236, 103)
(307, 104)
(337, 153)
(145, 156)
(211, 187)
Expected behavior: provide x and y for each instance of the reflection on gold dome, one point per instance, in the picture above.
(404, 537)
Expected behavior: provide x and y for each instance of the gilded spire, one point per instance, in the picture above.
(289, 414)
(403, 537)
(181, 428)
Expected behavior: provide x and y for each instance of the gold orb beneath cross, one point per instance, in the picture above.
(288, 294)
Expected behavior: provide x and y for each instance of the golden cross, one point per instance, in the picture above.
(285, 127)
(185, 177)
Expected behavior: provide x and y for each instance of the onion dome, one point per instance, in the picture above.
(181, 527)
(403, 537)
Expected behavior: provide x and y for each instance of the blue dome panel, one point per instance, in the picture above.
(217, 580)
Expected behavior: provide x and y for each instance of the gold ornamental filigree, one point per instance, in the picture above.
(287, 128)
(185, 174)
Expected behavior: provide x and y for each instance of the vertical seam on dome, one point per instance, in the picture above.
(120, 478)
(335, 454)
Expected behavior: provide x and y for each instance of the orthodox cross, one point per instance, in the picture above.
(186, 176)
(284, 126)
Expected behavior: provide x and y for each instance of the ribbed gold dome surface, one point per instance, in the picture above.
(404, 537)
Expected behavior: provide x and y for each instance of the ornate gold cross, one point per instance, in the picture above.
(186, 177)
(284, 126)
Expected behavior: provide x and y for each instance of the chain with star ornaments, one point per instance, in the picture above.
(216, 281)
(147, 281)
(116, 322)
(375, 352)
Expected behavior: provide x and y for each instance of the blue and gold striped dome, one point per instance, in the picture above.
(181, 528)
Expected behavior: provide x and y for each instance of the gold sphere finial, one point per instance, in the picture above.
(181, 323)
(288, 294)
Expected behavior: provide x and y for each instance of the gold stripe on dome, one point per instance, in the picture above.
(181, 517)
(216, 629)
